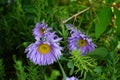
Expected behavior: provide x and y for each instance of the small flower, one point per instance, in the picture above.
(80, 41)
(44, 52)
(40, 30)
(71, 28)
(71, 78)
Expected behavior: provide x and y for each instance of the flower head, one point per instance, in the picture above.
(71, 28)
(40, 30)
(80, 41)
(44, 52)
(71, 78)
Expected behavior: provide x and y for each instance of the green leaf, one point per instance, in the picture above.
(76, 52)
(70, 64)
(71, 71)
(63, 58)
(103, 20)
(117, 13)
(99, 53)
(54, 75)
(98, 69)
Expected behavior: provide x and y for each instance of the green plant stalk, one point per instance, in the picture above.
(62, 70)
(64, 34)
(63, 31)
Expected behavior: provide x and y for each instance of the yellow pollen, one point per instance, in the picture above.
(42, 30)
(44, 48)
(82, 43)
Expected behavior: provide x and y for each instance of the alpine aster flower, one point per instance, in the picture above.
(40, 30)
(80, 41)
(44, 52)
(71, 78)
(71, 28)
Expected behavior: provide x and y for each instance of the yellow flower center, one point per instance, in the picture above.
(81, 43)
(44, 48)
(42, 30)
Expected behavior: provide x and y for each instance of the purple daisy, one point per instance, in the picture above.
(80, 41)
(40, 30)
(71, 78)
(44, 52)
(71, 28)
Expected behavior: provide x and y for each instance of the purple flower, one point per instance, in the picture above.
(71, 78)
(45, 52)
(80, 41)
(71, 28)
(40, 30)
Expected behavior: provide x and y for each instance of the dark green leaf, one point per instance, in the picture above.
(99, 53)
(63, 58)
(103, 20)
(70, 64)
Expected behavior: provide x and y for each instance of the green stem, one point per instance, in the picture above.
(63, 72)
(45, 77)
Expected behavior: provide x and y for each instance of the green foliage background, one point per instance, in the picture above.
(101, 22)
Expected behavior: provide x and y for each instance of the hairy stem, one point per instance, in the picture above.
(75, 15)
(62, 70)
